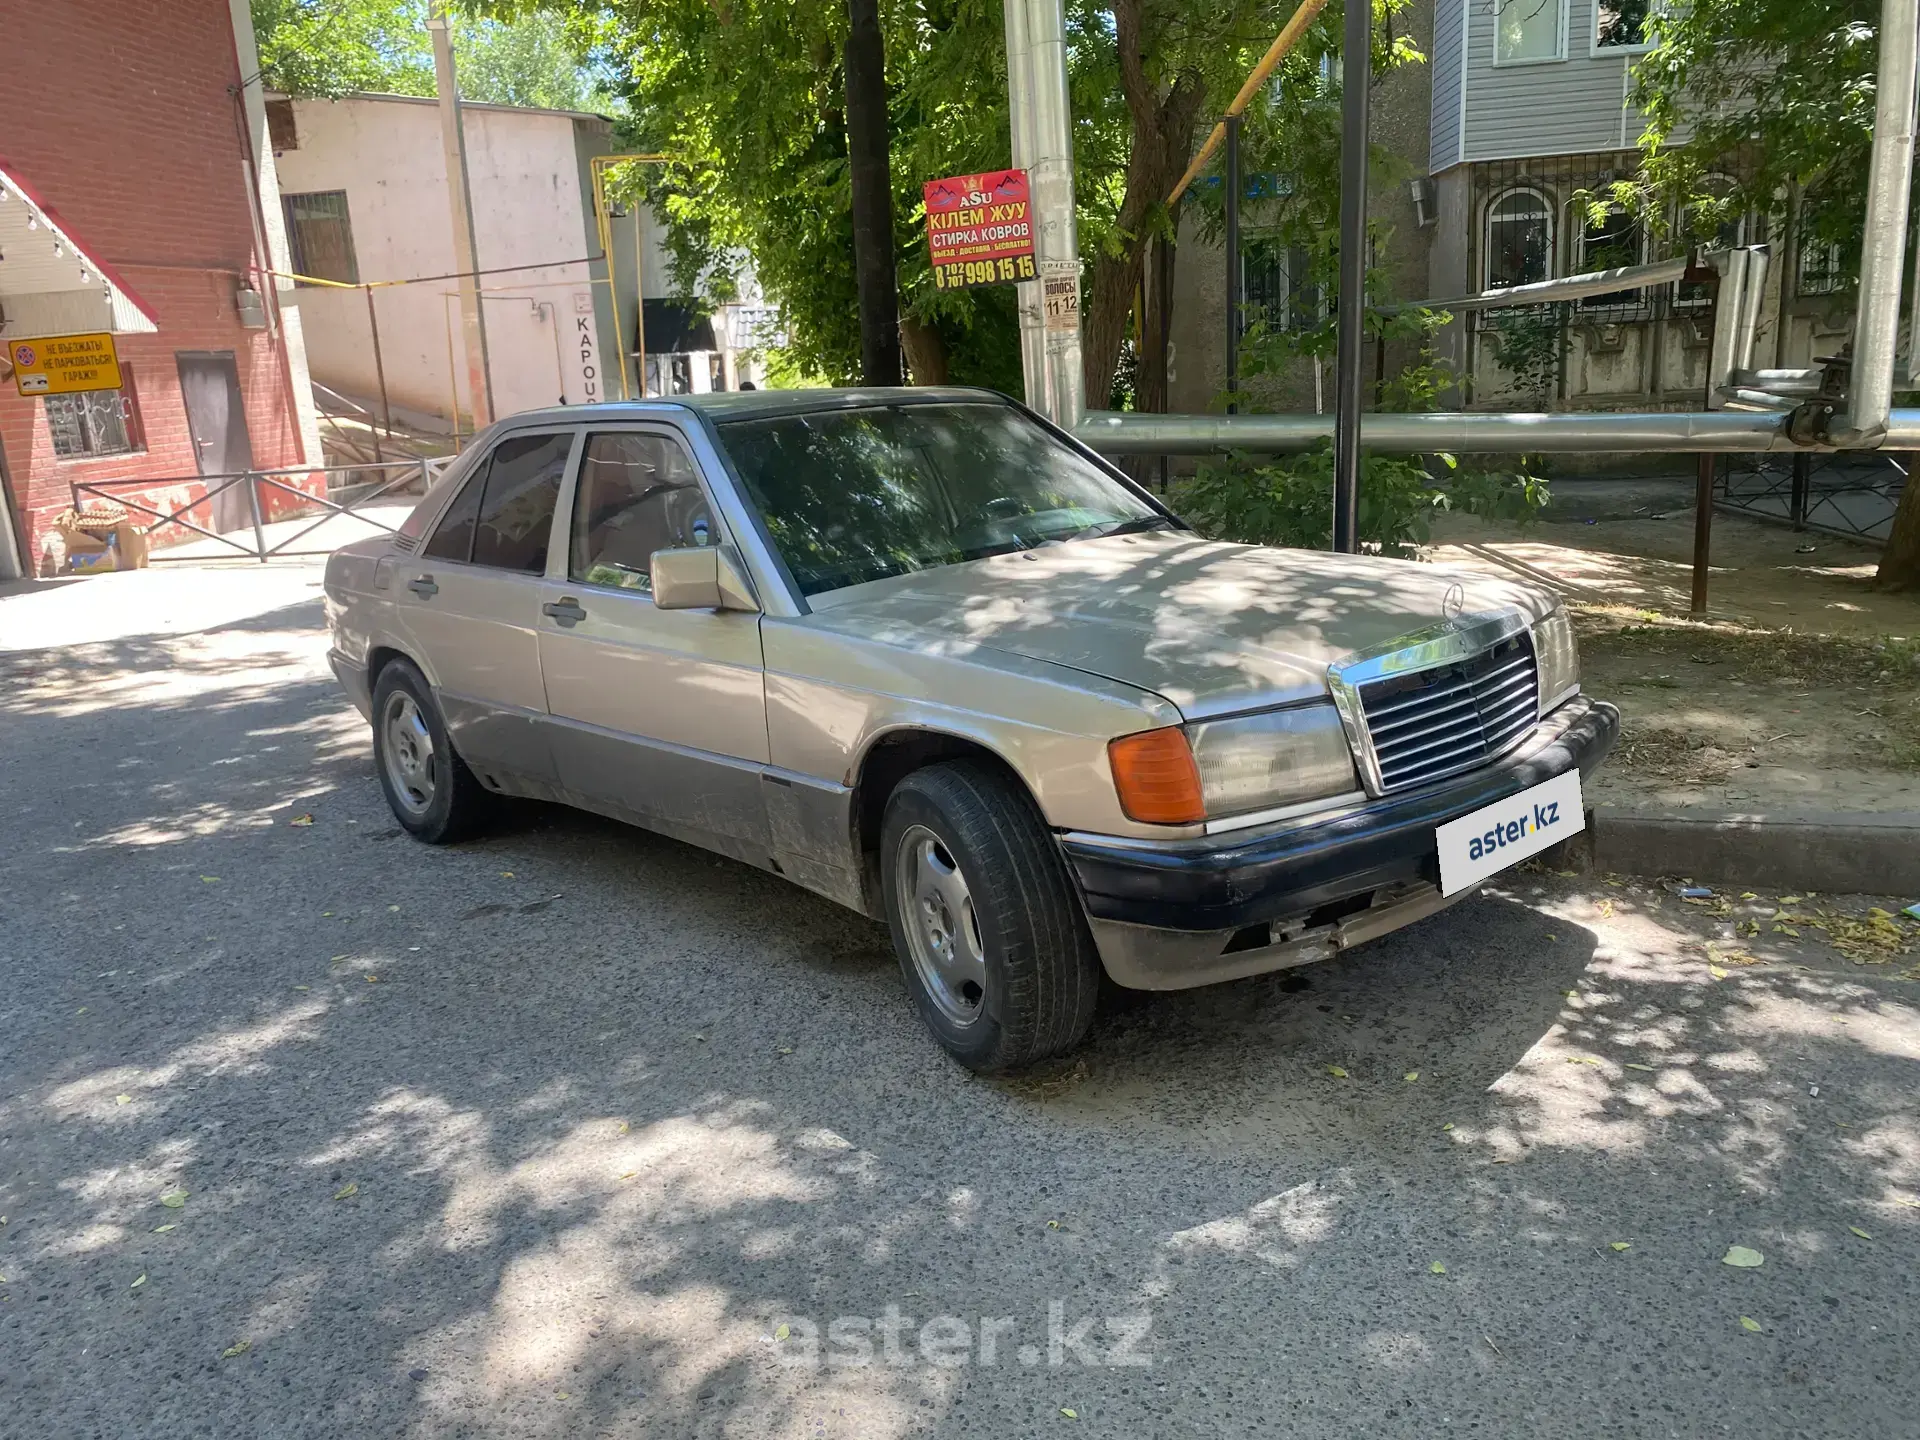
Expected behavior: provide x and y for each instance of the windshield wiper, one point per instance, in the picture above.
(1135, 526)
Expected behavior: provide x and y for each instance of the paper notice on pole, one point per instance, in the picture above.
(1063, 302)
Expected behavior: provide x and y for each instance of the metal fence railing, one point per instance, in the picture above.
(345, 492)
(1853, 495)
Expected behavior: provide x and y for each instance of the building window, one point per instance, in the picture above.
(1698, 227)
(321, 237)
(1822, 271)
(96, 422)
(1607, 243)
(1529, 30)
(1622, 24)
(1519, 239)
(1277, 286)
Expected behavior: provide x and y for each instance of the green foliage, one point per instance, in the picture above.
(1528, 344)
(747, 97)
(1289, 501)
(1777, 95)
(330, 48)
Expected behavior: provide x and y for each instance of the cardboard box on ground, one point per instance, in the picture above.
(102, 538)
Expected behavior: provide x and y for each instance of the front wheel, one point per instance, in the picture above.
(989, 934)
(429, 788)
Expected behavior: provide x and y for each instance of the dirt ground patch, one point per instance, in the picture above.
(1800, 690)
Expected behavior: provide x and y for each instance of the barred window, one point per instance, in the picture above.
(95, 422)
(1519, 239)
(320, 236)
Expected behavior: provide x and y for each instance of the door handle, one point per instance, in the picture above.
(423, 586)
(566, 610)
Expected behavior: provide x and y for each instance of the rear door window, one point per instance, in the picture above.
(639, 492)
(453, 536)
(515, 516)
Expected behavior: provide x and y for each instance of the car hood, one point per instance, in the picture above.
(1213, 627)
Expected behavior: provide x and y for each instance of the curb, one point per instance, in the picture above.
(1838, 852)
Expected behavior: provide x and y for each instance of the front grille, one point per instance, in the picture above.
(1439, 722)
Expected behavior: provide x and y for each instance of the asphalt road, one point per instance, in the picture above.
(552, 1133)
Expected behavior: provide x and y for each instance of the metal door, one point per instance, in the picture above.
(217, 421)
(661, 713)
(474, 623)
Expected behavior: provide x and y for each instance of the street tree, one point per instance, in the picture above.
(1766, 107)
(330, 48)
(749, 100)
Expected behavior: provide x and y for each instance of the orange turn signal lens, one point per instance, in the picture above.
(1158, 782)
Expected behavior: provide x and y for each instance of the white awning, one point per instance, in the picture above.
(50, 283)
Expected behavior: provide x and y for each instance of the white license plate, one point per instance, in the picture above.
(1508, 831)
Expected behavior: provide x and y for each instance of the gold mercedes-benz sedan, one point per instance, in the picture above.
(924, 654)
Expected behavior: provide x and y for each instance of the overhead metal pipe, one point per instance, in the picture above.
(1883, 245)
(1567, 287)
(1461, 432)
(1356, 78)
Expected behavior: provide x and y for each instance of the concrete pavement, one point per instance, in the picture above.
(575, 1131)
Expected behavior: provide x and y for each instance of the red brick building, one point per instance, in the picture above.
(134, 163)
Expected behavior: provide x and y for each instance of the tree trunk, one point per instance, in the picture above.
(1162, 141)
(867, 146)
(1900, 561)
(1152, 385)
(926, 351)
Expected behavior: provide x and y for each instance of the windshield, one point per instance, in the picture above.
(856, 495)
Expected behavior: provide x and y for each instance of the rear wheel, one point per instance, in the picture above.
(429, 788)
(989, 934)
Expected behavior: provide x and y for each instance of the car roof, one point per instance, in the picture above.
(724, 405)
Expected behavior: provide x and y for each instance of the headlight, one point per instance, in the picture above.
(1271, 759)
(1558, 655)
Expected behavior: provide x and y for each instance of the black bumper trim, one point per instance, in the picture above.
(1222, 883)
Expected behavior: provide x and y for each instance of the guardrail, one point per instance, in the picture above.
(383, 480)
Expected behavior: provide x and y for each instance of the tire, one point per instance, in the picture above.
(1000, 966)
(429, 788)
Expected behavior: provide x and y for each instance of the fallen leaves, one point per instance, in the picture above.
(780, 1332)
(1411, 1076)
(239, 1347)
(123, 1099)
(1634, 1065)
(138, 1283)
(1747, 1322)
(1436, 1268)
(1336, 1072)
(176, 1198)
(1742, 1258)
(1858, 1231)
(1620, 1246)
(163, 1229)
(1581, 1060)
(1069, 1412)
(347, 1191)
(301, 820)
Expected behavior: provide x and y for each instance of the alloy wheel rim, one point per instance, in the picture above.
(409, 754)
(943, 932)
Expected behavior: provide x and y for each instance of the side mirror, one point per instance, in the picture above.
(705, 577)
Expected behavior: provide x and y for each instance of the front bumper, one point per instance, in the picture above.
(1171, 914)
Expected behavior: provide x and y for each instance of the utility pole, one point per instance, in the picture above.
(1356, 79)
(872, 177)
(473, 322)
(1042, 124)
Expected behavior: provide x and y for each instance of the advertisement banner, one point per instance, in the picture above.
(980, 229)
